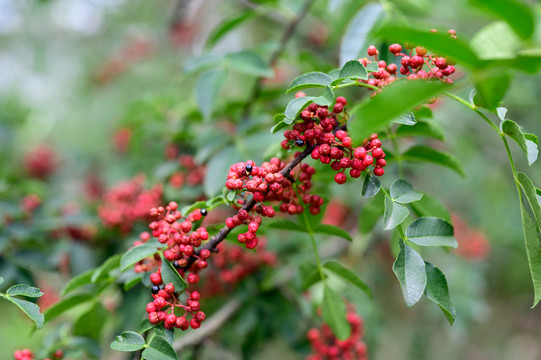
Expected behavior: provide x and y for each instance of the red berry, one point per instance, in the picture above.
(372, 51)
(395, 48)
(156, 278)
(340, 178)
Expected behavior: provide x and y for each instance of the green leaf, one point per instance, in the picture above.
(332, 230)
(29, 308)
(491, 88)
(353, 70)
(109, 264)
(171, 275)
(378, 111)
(409, 268)
(309, 80)
(128, 341)
(438, 292)
(159, 349)
(347, 275)
(281, 125)
(201, 63)
(528, 147)
(370, 214)
(394, 214)
(356, 36)
(431, 231)
(531, 195)
(249, 63)
(334, 313)
(287, 225)
(128, 284)
(65, 304)
(217, 169)
(24, 290)
(430, 206)
(421, 153)
(515, 13)
(228, 25)
(136, 254)
(310, 275)
(207, 89)
(231, 196)
(440, 43)
(407, 119)
(327, 98)
(533, 252)
(295, 107)
(91, 323)
(77, 281)
(402, 192)
(422, 128)
(496, 41)
(371, 186)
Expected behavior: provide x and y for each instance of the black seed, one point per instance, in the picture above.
(204, 212)
(299, 142)
(248, 168)
(176, 265)
(155, 289)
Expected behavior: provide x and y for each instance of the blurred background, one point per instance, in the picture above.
(100, 102)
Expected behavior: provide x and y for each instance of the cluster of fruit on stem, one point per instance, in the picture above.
(415, 63)
(257, 191)
(326, 346)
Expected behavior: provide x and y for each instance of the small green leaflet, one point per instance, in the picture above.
(207, 89)
(30, 309)
(309, 80)
(347, 275)
(248, 63)
(136, 254)
(77, 281)
(295, 107)
(352, 70)
(528, 147)
(171, 275)
(371, 186)
(533, 251)
(65, 304)
(377, 112)
(402, 192)
(159, 349)
(422, 128)
(334, 313)
(431, 231)
(24, 290)
(309, 275)
(421, 153)
(438, 292)
(128, 341)
(409, 268)
(327, 98)
(394, 214)
(109, 264)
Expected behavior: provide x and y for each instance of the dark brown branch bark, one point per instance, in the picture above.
(288, 33)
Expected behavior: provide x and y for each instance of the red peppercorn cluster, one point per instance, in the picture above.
(26, 354)
(472, 243)
(40, 162)
(335, 147)
(327, 347)
(231, 265)
(267, 184)
(180, 241)
(191, 173)
(128, 202)
(414, 64)
(167, 303)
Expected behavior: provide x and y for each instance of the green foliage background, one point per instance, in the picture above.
(52, 50)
